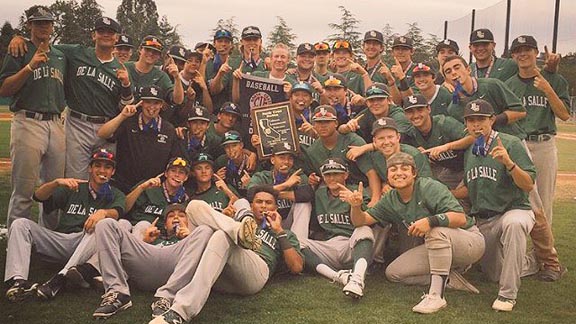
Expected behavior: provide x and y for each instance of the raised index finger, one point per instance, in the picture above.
(499, 141)
(155, 221)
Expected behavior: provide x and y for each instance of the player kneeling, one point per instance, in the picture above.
(427, 209)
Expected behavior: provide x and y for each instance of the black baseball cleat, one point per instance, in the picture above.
(112, 303)
(160, 306)
(50, 288)
(170, 317)
(20, 290)
(82, 275)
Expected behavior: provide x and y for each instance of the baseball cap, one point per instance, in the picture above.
(152, 92)
(342, 44)
(482, 35)
(39, 13)
(403, 41)
(305, 48)
(223, 33)
(401, 158)
(478, 107)
(414, 101)
(383, 123)
(231, 108)
(103, 154)
(321, 47)
(152, 42)
(231, 137)
(178, 162)
(202, 45)
(302, 86)
(334, 165)
(202, 158)
(336, 81)
(377, 90)
(324, 112)
(374, 35)
(124, 40)
(251, 31)
(422, 68)
(173, 207)
(524, 40)
(177, 52)
(108, 23)
(198, 113)
(283, 148)
(448, 43)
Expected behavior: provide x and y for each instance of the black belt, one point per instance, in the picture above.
(539, 138)
(88, 118)
(41, 116)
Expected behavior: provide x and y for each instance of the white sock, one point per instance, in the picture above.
(360, 267)
(437, 283)
(326, 271)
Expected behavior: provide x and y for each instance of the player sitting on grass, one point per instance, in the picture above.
(83, 204)
(345, 246)
(425, 208)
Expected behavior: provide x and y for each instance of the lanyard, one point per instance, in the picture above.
(487, 74)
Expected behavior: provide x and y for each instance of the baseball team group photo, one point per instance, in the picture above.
(252, 175)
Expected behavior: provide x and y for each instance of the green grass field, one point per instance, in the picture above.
(311, 299)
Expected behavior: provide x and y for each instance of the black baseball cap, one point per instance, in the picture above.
(414, 101)
(374, 35)
(177, 52)
(103, 154)
(173, 207)
(202, 45)
(383, 123)
(251, 31)
(124, 40)
(524, 40)
(223, 33)
(305, 48)
(231, 108)
(324, 112)
(107, 23)
(202, 158)
(448, 43)
(334, 165)
(335, 81)
(152, 42)
(302, 86)
(178, 162)
(39, 13)
(377, 90)
(478, 107)
(403, 41)
(283, 148)
(481, 35)
(152, 92)
(198, 113)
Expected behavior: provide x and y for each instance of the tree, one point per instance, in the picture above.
(388, 35)
(347, 30)
(6, 34)
(168, 32)
(138, 18)
(65, 23)
(228, 24)
(281, 33)
(84, 17)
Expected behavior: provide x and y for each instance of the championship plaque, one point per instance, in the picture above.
(274, 124)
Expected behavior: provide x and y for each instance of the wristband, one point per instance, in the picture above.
(29, 67)
(403, 85)
(501, 120)
(512, 168)
(126, 92)
(438, 220)
(284, 242)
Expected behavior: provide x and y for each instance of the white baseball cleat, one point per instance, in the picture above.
(355, 287)
(342, 277)
(430, 303)
(503, 304)
(247, 235)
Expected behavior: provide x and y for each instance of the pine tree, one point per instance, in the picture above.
(228, 24)
(138, 18)
(281, 33)
(388, 35)
(6, 34)
(168, 33)
(347, 30)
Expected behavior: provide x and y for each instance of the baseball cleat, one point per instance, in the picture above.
(112, 303)
(430, 303)
(502, 304)
(342, 277)
(160, 306)
(81, 275)
(458, 282)
(169, 317)
(355, 287)
(50, 288)
(551, 275)
(20, 290)
(247, 235)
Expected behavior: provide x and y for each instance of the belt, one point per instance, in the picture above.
(88, 118)
(41, 116)
(539, 138)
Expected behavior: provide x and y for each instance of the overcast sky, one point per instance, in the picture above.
(309, 18)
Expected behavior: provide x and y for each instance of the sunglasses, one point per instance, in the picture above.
(376, 91)
(179, 162)
(231, 137)
(342, 44)
(333, 82)
(152, 43)
(321, 47)
(103, 155)
(421, 68)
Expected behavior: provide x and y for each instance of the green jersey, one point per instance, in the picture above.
(374, 73)
(77, 206)
(354, 82)
(379, 162)
(91, 85)
(216, 198)
(540, 119)
(333, 214)
(267, 177)
(445, 129)
(43, 90)
(409, 78)
(440, 102)
(394, 112)
(154, 77)
(500, 97)
(270, 251)
(500, 68)
(429, 198)
(150, 204)
(317, 153)
(491, 188)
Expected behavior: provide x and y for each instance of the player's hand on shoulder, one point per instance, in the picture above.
(17, 46)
